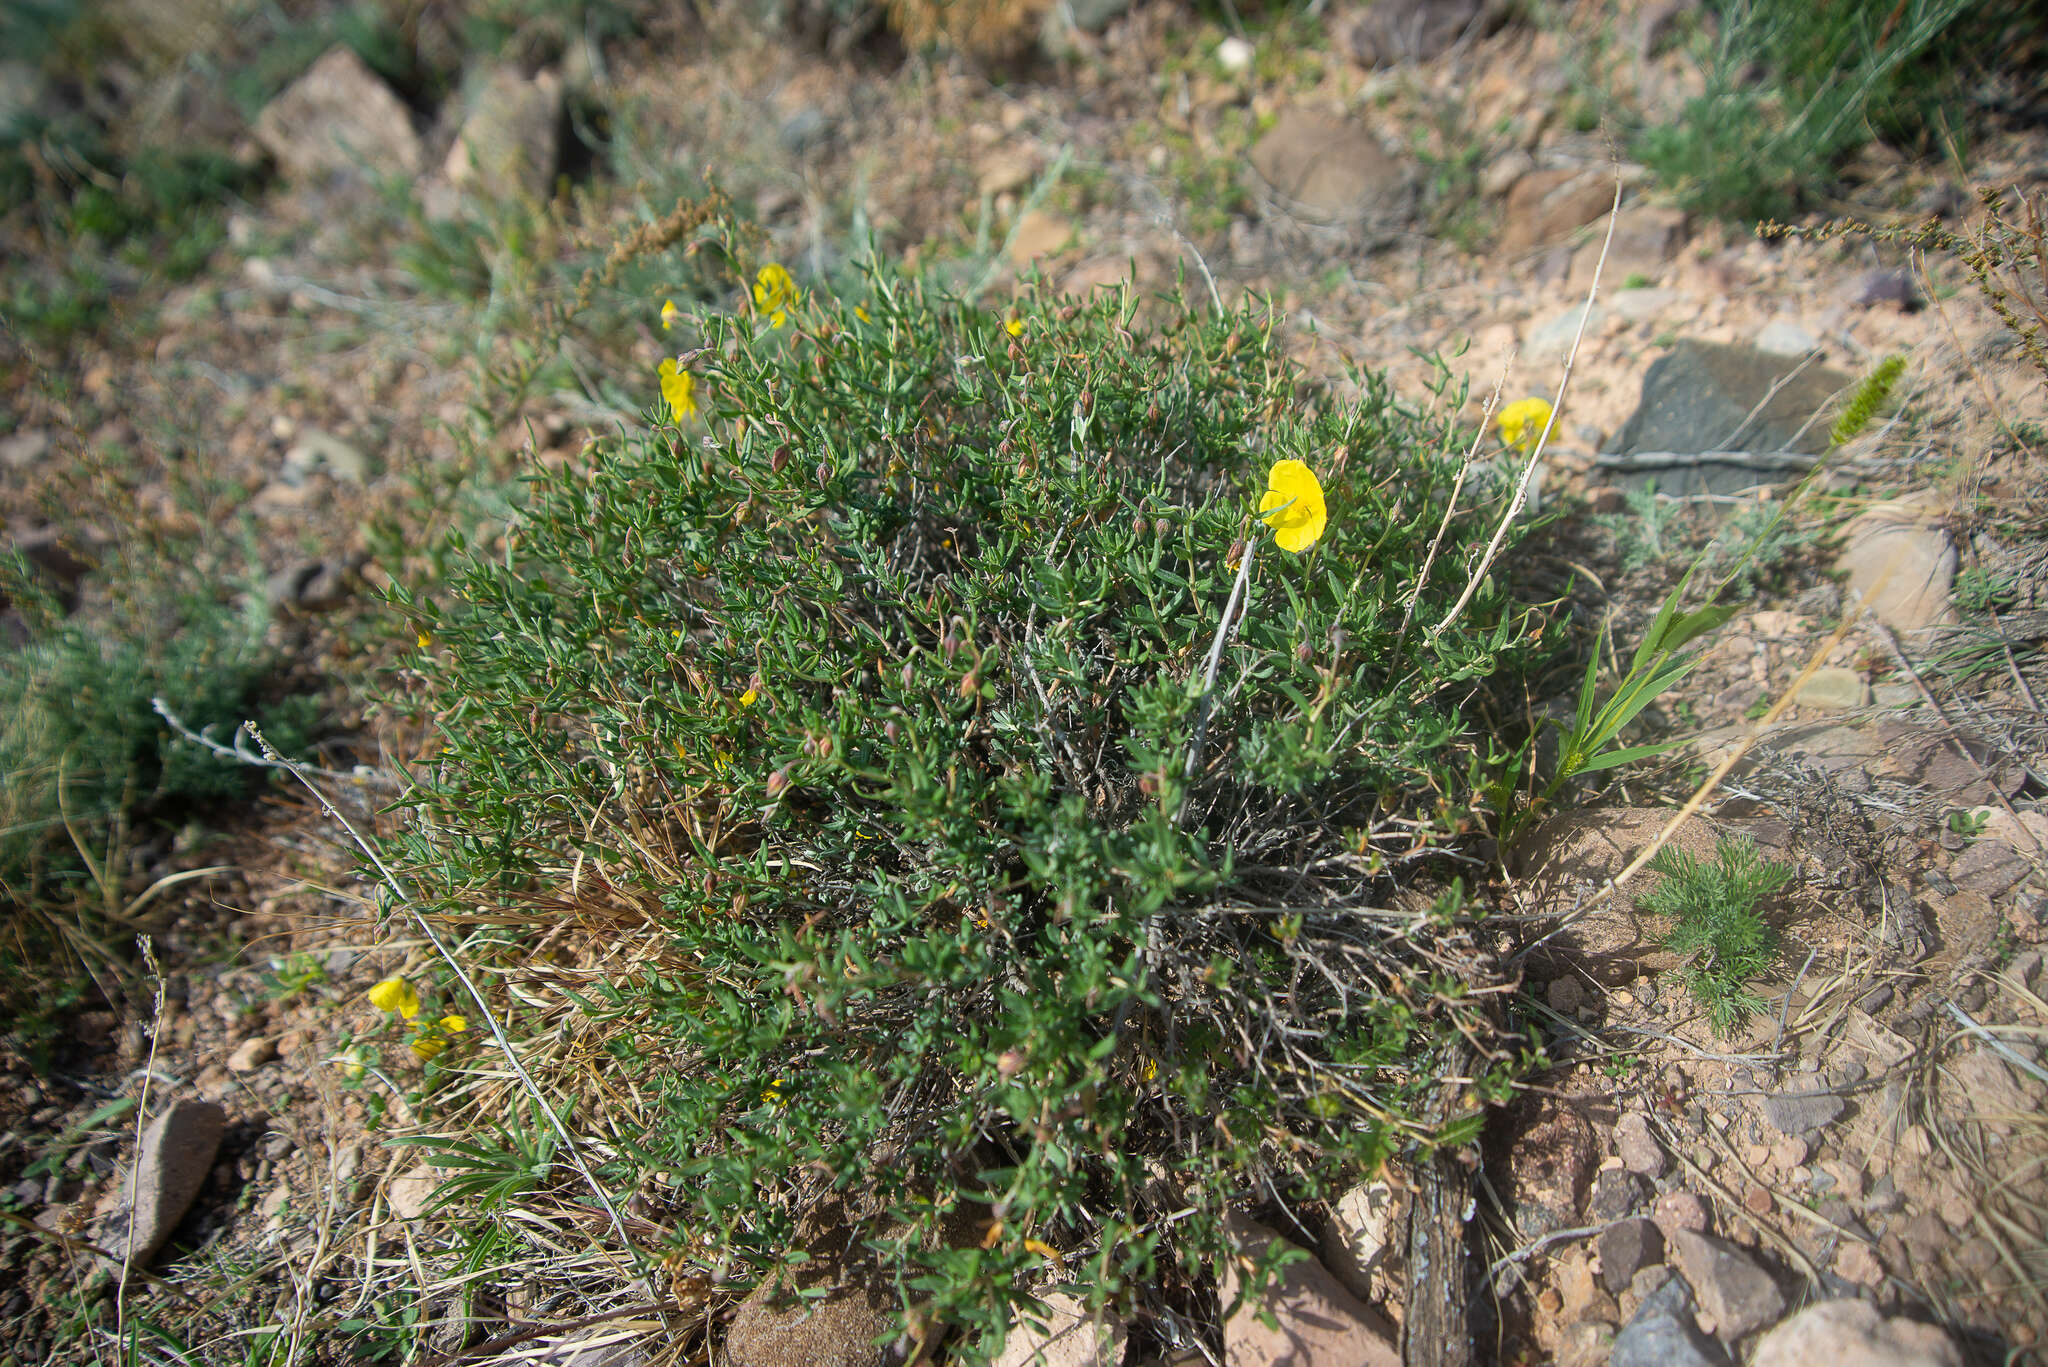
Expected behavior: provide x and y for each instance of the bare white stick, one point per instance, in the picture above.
(1244, 570)
(269, 758)
(1514, 508)
(1457, 487)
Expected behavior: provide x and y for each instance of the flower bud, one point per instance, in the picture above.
(1236, 552)
(779, 459)
(824, 475)
(1303, 653)
(1140, 527)
(777, 781)
(909, 674)
(1010, 1063)
(893, 731)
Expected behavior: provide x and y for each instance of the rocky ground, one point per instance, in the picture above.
(1865, 1160)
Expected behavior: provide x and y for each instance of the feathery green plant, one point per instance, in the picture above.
(1714, 908)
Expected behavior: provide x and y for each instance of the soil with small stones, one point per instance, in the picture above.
(1875, 1130)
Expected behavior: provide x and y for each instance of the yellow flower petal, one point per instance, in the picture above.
(1014, 325)
(454, 1025)
(395, 994)
(679, 387)
(1522, 422)
(427, 1046)
(775, 293)
(669, 314)
(425, 638)
(1293, 506)
(860, 311)
(748, 698)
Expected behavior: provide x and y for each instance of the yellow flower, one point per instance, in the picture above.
(1523, 421)
(1013, 324)
(860, 311)
(748, 698)
(669, 314)
(771, 1095)
(396, 994)
(679, 387)
(775, 294)
(1293, 506)
(432, 1039)
(424, 637)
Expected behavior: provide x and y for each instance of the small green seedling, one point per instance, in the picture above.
(1713, 907)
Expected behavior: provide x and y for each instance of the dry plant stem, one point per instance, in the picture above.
(1891, 642)
(1927, 290)
(1450, 508)
(1531, 1249)
(1207, 703)
(1514, 508)
(270, 758)
(148, 948)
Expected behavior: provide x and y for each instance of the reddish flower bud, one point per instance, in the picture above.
(777, 781)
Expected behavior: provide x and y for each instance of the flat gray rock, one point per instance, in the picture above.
(1803, 1112)
(1662, 1334)
(1626, 1248)
(1734, 1290)
(1698, 398)
(177, 1153)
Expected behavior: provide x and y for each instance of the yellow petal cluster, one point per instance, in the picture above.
(679, 387)
(1522, 422)
(434, 1039)
(395, 994)
(1293, 506)
(775, 294)
(669, 314)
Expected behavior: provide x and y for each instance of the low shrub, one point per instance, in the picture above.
(873, 665)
